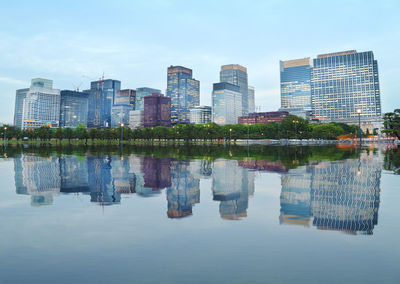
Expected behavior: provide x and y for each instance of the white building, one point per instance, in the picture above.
(41, 106)
(200, 115)
(136, 119)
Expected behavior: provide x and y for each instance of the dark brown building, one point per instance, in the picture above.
(157, 110)
(263, 117)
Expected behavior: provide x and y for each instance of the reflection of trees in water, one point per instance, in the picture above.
(392, 161)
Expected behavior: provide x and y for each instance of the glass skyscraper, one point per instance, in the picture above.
(296, 84)
(141, 93)
(250, 94)
(184, 92)
(20, 95)
(200, 115)
(226, 103)
(125, 97)
(341, 83)
(74, 108)
(237, 75)
(101, 98)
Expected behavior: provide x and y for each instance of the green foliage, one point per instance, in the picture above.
(392, 123)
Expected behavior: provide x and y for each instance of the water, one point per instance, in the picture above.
(199, 214)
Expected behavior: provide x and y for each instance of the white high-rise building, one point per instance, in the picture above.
(226, 103)
(42, 105)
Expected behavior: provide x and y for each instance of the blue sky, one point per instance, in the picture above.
(135, 42)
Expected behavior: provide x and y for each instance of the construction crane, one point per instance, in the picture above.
(76, 87)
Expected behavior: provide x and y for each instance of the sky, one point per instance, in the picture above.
(75, 42)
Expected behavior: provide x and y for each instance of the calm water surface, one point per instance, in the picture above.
(195, 215)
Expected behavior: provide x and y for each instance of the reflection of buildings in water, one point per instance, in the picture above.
(201, 169)
(100, 181)
(124, 182)
(184, 191)
(295, 197)
(232, 185)
(263, 165)
(342, 195)
(345, 195)
(38, 177)
(74, 174)
(155, 175)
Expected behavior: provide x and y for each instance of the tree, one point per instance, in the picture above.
(67, 133)
(392, 123)
(58, 133)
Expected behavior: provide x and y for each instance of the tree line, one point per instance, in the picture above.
(291, 127)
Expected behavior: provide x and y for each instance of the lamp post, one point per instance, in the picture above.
(295, 128)
(230, 135)
(122, 133)
(5, 134)
(359, 123)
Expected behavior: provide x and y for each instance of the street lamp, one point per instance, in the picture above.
(295, 128)
(230, 135)
(359, 122)
(122, 133)
(5, 134)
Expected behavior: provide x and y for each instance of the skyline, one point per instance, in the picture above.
(137, 48)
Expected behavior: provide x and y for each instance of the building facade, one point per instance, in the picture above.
(41, 105)
(141, 93)
(251, 95)
(125, 97)
(200, 115)
(101, 97)
(263, 117)
(20, 95)
(296, 84)
(136, 118)
(184, 92)
(73, 108)
(226, 103)
(157, 111)
(343, 82)
(237, 75)
(120, 114)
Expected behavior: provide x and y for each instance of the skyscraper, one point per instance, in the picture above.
(296, 84)
(341, 83)
(184, 92)
(141, 93)
(73, 109)
(157, 111)
(200, 115)
(101, 98)
(120, 115)
(125, 97)
(41, 105)
(226, 103)
(237, 75)
(250, 94)
(20, 95)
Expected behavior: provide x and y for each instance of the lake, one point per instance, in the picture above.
(190, 214)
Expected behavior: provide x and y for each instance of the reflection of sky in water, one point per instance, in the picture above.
(54, 224)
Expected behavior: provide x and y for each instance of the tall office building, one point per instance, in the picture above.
(184, 92)
(20, 95)
(125, 97)
(157, 111)
(141, 93)
(296, 84)
(41, 105)
(252, 103)
(136, 118)
(226, 103)
(237, 75)
(101, 97)
(200, 115)
(73, 108)
(120, 115)
(341, 83)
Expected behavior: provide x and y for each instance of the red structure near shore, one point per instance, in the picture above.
(263, 117)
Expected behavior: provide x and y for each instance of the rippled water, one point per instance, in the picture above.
(199, 214)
